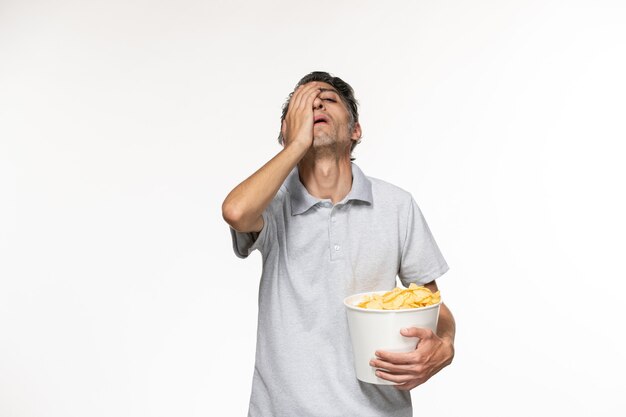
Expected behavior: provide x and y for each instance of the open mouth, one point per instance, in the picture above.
(320, 120)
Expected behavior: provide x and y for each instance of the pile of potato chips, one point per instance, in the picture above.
(401, 298)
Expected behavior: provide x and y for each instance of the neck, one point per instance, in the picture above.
(327, 178)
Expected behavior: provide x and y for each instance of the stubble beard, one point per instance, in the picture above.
(327, 146)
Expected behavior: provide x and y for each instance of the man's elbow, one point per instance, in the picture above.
(232, 214)
(236, 218)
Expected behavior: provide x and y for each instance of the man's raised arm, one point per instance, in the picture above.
(243, 207)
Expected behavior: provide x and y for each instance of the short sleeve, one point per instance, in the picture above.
(246, 243)
(421, 261)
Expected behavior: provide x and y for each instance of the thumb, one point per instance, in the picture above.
(420, 332)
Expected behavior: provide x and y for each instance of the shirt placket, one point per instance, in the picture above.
(336, 232)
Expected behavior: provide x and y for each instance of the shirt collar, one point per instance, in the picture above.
(301, 200)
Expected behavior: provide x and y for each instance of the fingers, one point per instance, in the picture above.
(308, 95)
(294, 103)
(404, 381)
(407, 386)
(412, 357)
(399, 379)
(406, 376)
(410, 369)
(420, 332)
(310, 99)
(302, 95)
(396, 358)
(391, 367)
(297, 126)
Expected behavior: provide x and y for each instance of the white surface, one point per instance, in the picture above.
(123, 125)
(372, 330)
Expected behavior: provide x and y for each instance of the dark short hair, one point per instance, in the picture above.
(346, 93)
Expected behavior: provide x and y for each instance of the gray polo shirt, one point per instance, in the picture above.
(314, 255)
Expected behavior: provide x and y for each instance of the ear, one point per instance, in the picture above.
(356, 132)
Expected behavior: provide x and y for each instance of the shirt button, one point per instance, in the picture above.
(337, 247)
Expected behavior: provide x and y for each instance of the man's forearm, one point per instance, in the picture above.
(446, 327)
(244, 205)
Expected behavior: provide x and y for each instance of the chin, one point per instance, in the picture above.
(323, 140)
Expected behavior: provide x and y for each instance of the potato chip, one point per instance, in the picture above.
(401, 298)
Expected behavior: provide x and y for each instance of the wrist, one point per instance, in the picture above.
(448, 343)
(297, 147)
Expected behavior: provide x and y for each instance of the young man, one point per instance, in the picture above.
(326, 231)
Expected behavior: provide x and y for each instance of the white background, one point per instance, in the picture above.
(124, 124)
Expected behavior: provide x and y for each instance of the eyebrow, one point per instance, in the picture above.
(332, 90)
